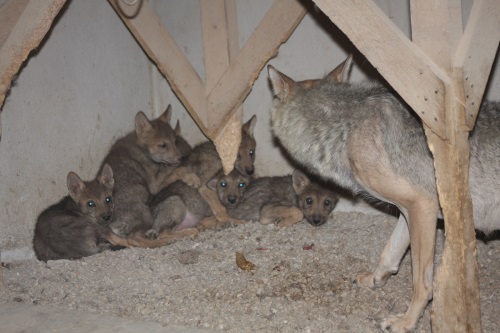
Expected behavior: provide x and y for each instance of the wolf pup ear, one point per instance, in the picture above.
(75, 185)
(300, 181)
(165, 116)
(341, 72)
(106, 176)
(281, 84)
(250, 125)
(177, 129)
(212, 184)
(142, 123)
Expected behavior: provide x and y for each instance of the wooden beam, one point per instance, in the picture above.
(10, 12)
(220, 37)
(21, 34)
(161, 47)
(456, 289)
(236, 82)
(407, 69)
(476, 54)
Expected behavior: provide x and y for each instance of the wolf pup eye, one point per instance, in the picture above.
(163, 145)
(241, 184)
(223, 184)
(90, 203)
(327, 202)
(108, 200)
(309, 201)
(252, 152)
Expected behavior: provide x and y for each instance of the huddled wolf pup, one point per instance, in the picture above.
(363, 138)
(205, 163)
(180, 206)
(76, 227)
(138, 160)
(285, 201)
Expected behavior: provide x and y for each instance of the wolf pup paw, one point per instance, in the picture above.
(152, 234)
(191, 179)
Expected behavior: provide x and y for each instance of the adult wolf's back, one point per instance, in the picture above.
(363, 138)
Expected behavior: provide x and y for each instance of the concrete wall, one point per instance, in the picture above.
(83, 86)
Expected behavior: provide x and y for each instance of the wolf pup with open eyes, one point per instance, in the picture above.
(364, 139)
(178, 206)
(285, 201)
(76, 227)
(141, 161)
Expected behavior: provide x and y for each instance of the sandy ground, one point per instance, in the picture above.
(302, 280)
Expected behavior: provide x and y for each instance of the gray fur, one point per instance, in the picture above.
(317, 126)
(76, 227)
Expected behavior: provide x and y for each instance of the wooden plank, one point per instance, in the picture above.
(236, 82)
(220, 26)
(476, 53)
(456, 289)
(228, 138)
(407, 69)
(10, 12)
(25, 35)
(161, 47)
(215, 41)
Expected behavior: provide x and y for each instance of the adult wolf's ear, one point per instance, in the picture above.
(341, 72)
(281, 84)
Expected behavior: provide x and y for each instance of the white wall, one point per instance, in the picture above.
(83, 86)
(76, 94)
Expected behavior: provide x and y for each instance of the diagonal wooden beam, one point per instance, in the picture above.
(236, 82)
(476, 53)
(24, 25)
(161, 47)
(401, 62)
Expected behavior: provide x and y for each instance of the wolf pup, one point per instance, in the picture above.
(180, 206)
(285, 201)
(204, 162)
(137, 161)
(364, 139)
(76, 227)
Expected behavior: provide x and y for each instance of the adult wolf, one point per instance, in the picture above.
(365, 139)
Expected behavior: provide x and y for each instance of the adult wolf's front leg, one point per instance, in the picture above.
(390, 258)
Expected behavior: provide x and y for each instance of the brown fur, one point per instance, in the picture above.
(205, 162)
(285, 201)
(138, 160)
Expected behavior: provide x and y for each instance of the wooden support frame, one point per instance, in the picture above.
(456, 292)
(213, 108)
(24, 25)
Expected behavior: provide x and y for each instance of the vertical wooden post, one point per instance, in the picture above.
(220, 45)
(456, 288)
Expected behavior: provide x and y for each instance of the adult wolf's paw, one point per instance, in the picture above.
(398, 324)
(368, 280)
(151, 234)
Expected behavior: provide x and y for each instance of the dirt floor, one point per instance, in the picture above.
(302, 280)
